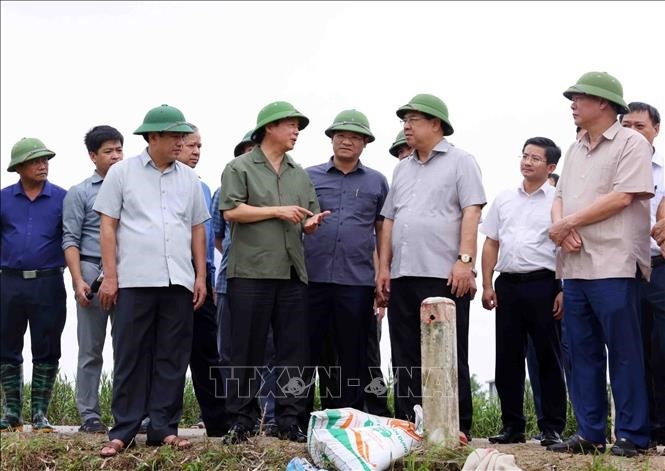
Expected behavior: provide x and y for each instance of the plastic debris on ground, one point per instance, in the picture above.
(349, 439)
(490, 459)
(301, 464)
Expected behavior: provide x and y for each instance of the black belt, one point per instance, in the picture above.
(657, 260)
(31, 274)
(533, 275)
(88, 258)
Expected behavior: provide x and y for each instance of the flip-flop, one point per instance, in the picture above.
(116, 445)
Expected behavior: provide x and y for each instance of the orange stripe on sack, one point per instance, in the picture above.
(362, 447)
(347, 422)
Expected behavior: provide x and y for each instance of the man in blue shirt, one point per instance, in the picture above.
(204, 360)
(80, 242)
(339, 258)
(32, 288)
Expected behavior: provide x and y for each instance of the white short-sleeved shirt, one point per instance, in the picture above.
(521, 223)
(425, 202)
(657, 164)
(156, 212)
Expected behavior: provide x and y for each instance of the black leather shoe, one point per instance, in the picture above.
(292, 433)
(508, 436)
(577, 444)
(238, 433)
(270, 429)
(624, 447)
(550, 438)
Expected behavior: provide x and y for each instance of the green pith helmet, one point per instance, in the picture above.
(353, 121)
(246, 139)
(28, 148)
(400, 141)
(276, 111)
(600, 84)
(164, 118)
(431, 105)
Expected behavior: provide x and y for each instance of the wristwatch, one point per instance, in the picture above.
(465, 258)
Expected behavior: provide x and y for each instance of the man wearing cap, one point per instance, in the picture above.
(400, 148)
(204, 360)
(80, 242)
(32, 289)
(339, 256)
(428, 245)
(271, 202)
(645, 119)
(600, 219)
(152, 214)
(527, 298)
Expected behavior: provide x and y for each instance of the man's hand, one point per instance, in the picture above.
(81, 289)
(461, 279)
(658, 233)
(560, 230)
(379, 311)
(293, 214)
(489, 298)
(572, 242)
(557, 309)
(108, 292)
(382, 288)
(315, 221)
(199, 292)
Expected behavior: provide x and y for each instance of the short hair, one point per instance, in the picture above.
(634, 106)
(552, 152)
(555, 177)
(99, 135)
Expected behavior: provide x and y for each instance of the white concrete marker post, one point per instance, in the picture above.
(438, 343)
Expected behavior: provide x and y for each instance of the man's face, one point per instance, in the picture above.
(417, 128)
(109, 153)
(586, 109)
(404, 151)
(33, 171)
(640, 121)
(191, 151)
(166, 145)
(533, 165)
(347, 145)
(284, 132)
(247, 147)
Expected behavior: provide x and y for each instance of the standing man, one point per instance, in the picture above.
(271, 202)
(204, 360)
(32, 288)
(152, 215)
(80, 241)
(428, 246)
(601, 222)
(528, 298)
(645, 119)
(339, 256)
(400, 148)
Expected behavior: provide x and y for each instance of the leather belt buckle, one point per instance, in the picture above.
(29, 274)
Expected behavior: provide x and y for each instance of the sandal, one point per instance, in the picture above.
(116, 446)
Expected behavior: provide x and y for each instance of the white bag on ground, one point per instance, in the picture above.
(489, 459)
(349, 439)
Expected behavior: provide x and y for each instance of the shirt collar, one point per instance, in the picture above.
(657, 159)
(330, 165)
(146, 160)
(96, 177)
(258, 157)
(46, 190)
(609, 134)
(441, 147)
(544, 188)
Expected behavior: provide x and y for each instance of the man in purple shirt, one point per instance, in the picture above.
(32, 288)
(339, 257)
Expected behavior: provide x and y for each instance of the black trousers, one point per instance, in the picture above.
(341, 314)
(40, 302)
(152, 341)
(376, 393)
(406, 294)
(205, 366)
(254, 305)
(525, 308)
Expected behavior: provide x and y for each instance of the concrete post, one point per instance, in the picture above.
(438, 338)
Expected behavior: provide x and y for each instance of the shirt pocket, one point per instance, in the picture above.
(603, 180)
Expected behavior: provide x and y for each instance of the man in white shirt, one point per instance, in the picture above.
(645, 119)
(528, 298)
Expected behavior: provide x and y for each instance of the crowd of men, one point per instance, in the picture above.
(311, 259)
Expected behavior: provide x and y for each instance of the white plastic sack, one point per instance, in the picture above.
(489, 459)
(349, 439)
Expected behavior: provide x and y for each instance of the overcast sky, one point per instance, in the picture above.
(501, 68)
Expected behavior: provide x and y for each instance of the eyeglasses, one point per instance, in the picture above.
(411, 119)
(536, 159)
(355, 138)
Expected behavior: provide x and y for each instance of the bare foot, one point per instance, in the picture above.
(112, 448)
(179, 443)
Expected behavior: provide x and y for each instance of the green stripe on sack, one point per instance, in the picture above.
(342, 437)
